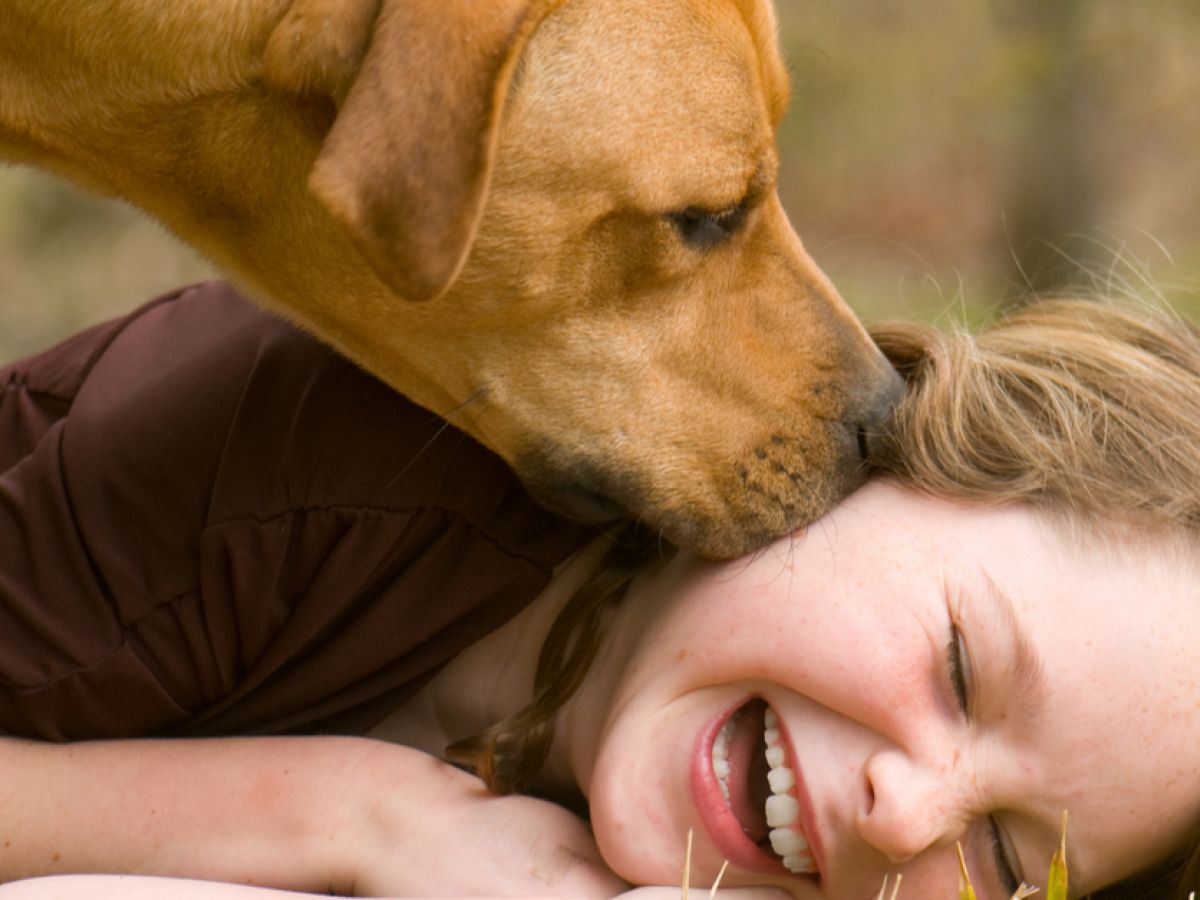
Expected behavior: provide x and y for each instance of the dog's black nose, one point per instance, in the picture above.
(876, 413)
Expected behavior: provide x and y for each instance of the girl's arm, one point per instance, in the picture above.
(347, 816)
(124, 887)
(116, 887)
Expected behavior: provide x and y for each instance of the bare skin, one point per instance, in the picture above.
(901, 751)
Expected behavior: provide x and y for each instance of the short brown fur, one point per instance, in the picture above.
(472, 200)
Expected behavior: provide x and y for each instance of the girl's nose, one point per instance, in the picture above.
(913, 805)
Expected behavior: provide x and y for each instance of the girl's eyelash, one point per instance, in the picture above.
(1008, 875)
(957, 666)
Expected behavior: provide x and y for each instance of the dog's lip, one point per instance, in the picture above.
(589, 506)
(574, 491)
(575, 502)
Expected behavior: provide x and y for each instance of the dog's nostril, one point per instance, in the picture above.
(864, 449)
(871, 442)
(875, 418)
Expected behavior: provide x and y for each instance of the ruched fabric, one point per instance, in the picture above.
(212, 524)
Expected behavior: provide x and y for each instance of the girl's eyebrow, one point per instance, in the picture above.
(1028, 678)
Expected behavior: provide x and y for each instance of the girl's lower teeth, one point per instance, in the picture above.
(782, 807)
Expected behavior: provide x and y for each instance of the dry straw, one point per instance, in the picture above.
(1056, 881)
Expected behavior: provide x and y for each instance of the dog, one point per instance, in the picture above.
(553, 222)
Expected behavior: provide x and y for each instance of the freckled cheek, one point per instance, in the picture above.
(790, 632)
(875, 679)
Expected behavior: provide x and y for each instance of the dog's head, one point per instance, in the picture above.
(577, 197)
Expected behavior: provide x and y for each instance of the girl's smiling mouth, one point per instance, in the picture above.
(745, 786)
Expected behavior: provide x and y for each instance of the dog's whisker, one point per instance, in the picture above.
(476, 403)
(446, 423)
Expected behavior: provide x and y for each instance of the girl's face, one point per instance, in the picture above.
(925, 673)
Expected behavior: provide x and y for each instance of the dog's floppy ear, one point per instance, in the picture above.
(420, 87)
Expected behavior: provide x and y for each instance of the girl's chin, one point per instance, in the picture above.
(649, 847)
(641, 844)
(638, 864)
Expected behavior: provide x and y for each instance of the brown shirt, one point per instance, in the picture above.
(212, 524)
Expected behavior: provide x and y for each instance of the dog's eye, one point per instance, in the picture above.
(701, 229)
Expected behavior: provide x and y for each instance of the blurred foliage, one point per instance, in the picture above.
(68, 260)
(940, 157)
(946, 156)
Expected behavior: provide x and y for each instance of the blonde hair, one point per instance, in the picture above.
(1087, 409)
(1078, 406)
(1081, 408)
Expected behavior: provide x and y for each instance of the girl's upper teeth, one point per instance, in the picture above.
(782, 810)
(782, 807)
(781, 780)
(720, 757)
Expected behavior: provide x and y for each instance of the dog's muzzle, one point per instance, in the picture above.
(769, 490)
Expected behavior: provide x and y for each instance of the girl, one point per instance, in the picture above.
(251, 597)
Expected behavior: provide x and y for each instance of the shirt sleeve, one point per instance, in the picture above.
(217, 525)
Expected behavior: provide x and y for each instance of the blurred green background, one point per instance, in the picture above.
(941, 157)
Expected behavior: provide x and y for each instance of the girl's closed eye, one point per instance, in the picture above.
(961, 679)
(959, 667)
(1008, 875)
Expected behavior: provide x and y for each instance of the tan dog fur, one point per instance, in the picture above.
(474, 200)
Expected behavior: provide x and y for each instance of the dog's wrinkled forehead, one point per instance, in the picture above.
(697, 80)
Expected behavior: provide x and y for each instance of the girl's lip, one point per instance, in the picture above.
(718, 819)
